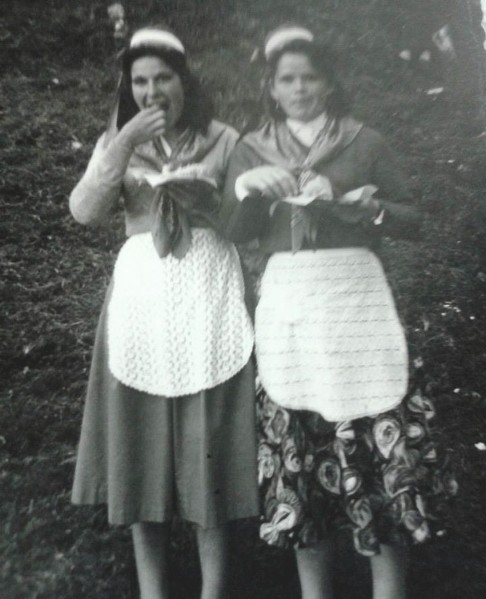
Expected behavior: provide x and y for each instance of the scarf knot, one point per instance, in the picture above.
(177, 204)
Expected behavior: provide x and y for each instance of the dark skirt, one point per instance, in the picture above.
(385, 478)
(150, 457)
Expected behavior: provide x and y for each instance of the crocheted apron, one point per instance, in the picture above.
(327, 334)
(176, 327)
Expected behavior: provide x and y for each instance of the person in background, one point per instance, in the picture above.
(346, 440)
(168, 426)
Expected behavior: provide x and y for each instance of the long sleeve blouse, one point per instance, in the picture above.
(115, 175)
(365, 159)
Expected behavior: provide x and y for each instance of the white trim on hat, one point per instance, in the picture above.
(156, 37)
(282, 37)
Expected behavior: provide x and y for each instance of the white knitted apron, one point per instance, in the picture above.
(176, 327)
(328, 338)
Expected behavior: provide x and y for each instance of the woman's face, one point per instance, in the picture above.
(154, 82)
(298, 88)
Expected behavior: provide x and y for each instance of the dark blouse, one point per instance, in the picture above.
(367, 159)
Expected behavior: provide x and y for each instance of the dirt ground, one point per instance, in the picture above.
(58, 74)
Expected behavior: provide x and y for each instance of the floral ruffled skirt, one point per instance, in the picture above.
(386, 478)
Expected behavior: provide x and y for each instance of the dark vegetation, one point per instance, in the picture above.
(58, 72)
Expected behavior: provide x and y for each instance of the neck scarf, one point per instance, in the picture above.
(276, 143)
(178, 201)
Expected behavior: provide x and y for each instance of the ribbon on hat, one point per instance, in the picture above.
(281, 37)
(156, 37)
(111, 125)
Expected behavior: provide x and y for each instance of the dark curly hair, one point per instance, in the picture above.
(198, 109)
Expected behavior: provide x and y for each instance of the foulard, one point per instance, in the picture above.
(180, 201)
(275, 144)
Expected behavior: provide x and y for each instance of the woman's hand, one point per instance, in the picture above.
(364, 210)
(273, 182)
(145, 125)
(317, 186)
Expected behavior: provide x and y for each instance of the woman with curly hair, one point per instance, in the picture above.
(346, 441)
(168, 426)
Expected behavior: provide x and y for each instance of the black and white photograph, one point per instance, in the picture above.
(243, 291)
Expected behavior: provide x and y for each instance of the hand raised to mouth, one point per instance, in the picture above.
(145, 125)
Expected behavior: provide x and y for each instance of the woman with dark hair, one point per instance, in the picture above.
(345, 441)
(197, 110)
(169, 415)
(336, 102)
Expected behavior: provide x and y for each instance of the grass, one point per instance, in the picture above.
(58, 73)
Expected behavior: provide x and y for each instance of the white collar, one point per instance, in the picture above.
(307, 132)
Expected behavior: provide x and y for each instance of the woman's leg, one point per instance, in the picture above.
(314, 565)
(214, 556)
(150, 541)
(388, 571)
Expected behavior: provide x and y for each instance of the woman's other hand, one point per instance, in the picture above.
(145, 125)
(364, 210)
(273, 182)
(317, 186)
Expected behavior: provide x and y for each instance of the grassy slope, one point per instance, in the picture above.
(55, 91)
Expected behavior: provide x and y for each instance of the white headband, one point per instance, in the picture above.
(282, 37)
(156, 37)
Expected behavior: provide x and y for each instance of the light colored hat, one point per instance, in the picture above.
(156, 38)
(147, 37)
(282, 36)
